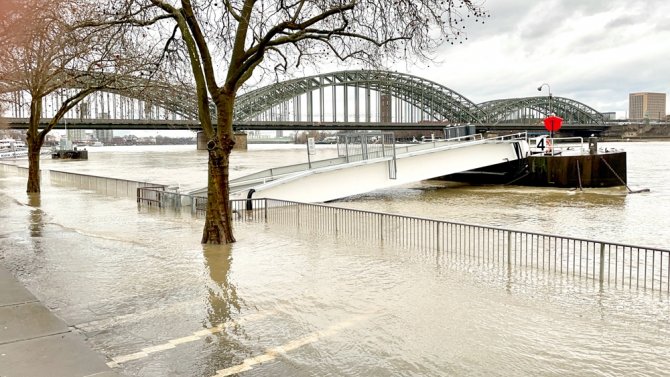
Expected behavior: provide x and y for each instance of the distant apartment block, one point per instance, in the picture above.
(611, 115)
(646, 106)
(105, 136)
(76, 135)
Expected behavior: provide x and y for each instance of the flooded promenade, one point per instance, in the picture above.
(143, 291)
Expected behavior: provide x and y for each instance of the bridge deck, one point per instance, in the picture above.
(194, 125)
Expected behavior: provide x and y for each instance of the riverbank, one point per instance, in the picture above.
(634, 139)
(637, 132)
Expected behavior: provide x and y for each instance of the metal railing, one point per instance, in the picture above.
(102, 185)
(557, 145)
(14, 169)
(604, 262)
(161, 197)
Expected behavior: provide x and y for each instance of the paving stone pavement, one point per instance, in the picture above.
(35, 342)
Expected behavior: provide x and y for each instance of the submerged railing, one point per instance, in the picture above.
(609, 263)
(14, 169)
(102, 185)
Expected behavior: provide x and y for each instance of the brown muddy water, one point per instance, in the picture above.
(143, 291)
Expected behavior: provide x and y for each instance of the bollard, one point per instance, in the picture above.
(593, 145)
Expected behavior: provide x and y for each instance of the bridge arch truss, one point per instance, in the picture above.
(347, 97)
(129, 104)
(358, 96)
(530, 109)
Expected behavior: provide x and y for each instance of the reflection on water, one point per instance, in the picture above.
(223, 307)
(223, 297)
(36, 215)
(36, 222)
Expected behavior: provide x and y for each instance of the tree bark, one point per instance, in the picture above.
(35, 141)
(34, 167)
(218, 220)
(218, 227)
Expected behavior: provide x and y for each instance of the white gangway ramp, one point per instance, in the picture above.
(335, 181)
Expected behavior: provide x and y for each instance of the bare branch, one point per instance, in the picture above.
(225, 43)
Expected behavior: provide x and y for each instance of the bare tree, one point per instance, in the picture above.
(44, 51)
(226, 41)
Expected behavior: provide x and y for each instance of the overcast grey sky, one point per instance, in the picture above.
(593, 51)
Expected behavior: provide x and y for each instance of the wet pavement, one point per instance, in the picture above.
(34, 342)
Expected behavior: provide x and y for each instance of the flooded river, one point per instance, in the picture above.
(143, 291)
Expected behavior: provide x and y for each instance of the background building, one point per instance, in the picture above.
(77, 136)
(611, 115)
(646, 106)
(104, 136)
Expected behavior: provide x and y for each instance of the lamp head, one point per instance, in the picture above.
(539, 88)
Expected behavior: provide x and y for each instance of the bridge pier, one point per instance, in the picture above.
(240, 141)
(201, 141)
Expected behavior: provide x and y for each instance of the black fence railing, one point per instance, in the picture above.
(609, 263)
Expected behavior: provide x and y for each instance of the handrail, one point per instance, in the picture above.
(609, 263)
(558, 144)
(325, 206)
(617, 263)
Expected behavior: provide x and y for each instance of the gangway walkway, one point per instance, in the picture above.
(369, 170)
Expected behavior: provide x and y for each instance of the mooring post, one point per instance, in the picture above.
(593, 145)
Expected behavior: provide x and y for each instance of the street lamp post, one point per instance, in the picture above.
(539, 89)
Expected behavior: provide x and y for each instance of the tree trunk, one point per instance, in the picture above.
(218, 220)
(35, 141)
(34, 147)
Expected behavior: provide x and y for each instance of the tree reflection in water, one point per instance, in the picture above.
(223, 297)
(36, 221)
(224, 306)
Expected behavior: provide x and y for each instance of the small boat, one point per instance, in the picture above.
(10, 148)
(11, 143)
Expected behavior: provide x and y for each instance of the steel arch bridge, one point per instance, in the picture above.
(363, 98)
(424, 100)
(518, 110)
